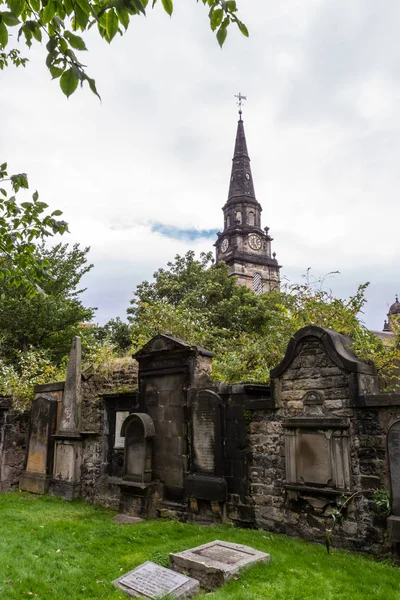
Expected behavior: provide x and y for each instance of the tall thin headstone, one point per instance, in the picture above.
(72, 398)
(67, 464)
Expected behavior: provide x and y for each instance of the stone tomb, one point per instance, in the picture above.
(153, 581)
(393, 444)
(216, 562)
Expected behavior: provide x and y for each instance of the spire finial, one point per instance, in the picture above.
(397, 297)
(239, 103)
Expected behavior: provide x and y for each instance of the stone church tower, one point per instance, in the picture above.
(243, 245)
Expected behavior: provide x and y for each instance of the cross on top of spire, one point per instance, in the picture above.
(240, 102)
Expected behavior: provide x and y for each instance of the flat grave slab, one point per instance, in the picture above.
(153, 581)
(214, 563)
(126, 519)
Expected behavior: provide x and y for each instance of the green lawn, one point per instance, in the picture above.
(50, 549)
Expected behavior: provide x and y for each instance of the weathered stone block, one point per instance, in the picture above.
(214, 563)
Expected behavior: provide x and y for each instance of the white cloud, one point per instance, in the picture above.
(322, 123)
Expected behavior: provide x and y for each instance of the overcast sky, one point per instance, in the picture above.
(143, 175)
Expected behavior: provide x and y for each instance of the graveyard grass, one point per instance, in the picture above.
(51, 549)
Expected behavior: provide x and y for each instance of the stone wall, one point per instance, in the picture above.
(14, 429)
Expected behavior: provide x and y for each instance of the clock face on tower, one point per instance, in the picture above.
(224, 245)
(254, 241)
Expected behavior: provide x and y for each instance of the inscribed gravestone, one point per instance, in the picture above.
(206, 435)
(394, 462)
(153, 581)
(314, 460)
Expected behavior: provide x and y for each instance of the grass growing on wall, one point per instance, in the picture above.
(54, 550)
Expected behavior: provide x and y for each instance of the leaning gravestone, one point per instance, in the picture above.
(214, 563)
(152, 581)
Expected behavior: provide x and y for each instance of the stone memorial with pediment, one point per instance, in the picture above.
(393, 446)
(150, 580)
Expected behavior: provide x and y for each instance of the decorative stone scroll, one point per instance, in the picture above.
(316, 448)
(138, 430)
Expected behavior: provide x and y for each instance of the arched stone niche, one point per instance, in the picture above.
(138, 430)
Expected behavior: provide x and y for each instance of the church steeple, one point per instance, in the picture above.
(241, 184)
(243, 245)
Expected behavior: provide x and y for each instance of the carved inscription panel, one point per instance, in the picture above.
(314, 458)
(204, 440)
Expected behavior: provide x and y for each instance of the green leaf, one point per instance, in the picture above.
(3, 35)
(230, 5)
(243, 29)
(92, 86)
(168, 6)
(35, 5)
(16, 6)
(56, 72)
(75, 41)
(37, 33)
(9, 19)
(51, 44)
(216, 18)
(69, 82)
(81, 17)
(139, 6)
(221, 35)
(123, 16)
(48, 12)
(111, 24)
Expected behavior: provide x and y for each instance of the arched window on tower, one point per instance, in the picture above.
(251, 218)
(257, 283)
(238, 217)
(228, 221)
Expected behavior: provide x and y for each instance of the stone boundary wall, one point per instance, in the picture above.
(14, 431)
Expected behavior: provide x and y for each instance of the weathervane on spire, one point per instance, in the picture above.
(239, 103)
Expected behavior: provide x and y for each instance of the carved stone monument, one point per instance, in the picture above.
(39, 466)
(68, 451)
(137, 488)
(216, 562)
(153, 581)
(393, 444)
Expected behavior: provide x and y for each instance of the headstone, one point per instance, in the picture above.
(153, 581)
(206, 434)
(71, 401)
(68, 449)
(214, 563)
(393, 443)
(41, 446)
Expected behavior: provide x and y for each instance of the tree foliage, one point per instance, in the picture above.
(58, 22)
(22, 225)
(197, 301)
(50, 319)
